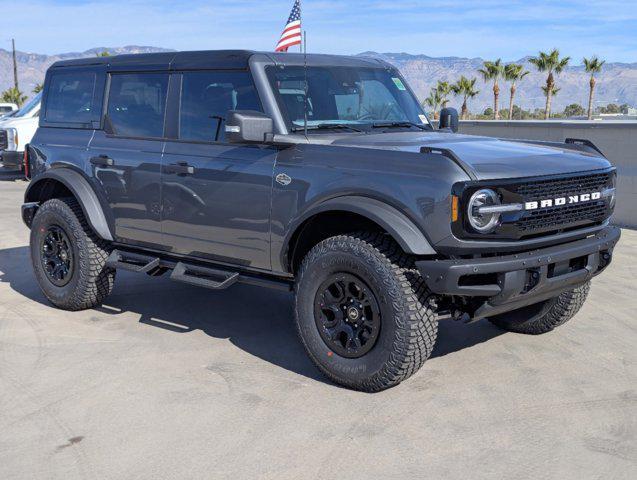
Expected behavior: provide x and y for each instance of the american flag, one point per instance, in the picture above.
(292, 32)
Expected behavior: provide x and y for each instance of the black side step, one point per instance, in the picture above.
(203, 276)
(133, 262)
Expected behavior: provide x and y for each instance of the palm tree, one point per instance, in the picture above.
(513, 73)
(549, 93)
(553, 64)
(493, 71)
(466, 88)
(38, 88)
(434, 100)
(444, 89)
(13, 95)
(592, 65)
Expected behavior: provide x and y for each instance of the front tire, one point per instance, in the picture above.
(68, 258)
(545, 316)
(363, 312)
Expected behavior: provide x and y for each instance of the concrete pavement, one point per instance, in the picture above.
(168, 381)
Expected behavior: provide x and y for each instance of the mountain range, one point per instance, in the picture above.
(617, 83)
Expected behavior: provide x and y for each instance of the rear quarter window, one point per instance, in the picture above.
(70, 97)
(137, 104)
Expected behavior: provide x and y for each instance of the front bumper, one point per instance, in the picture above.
(508, 282)
(12, 159)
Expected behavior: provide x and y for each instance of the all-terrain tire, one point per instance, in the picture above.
(544, 316)
(90, 281)
(408, 325)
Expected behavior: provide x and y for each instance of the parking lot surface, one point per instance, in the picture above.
(169, 381)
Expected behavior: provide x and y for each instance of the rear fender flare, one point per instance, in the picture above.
(81, 190)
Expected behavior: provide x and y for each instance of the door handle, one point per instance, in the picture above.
(180, 169)
(102, 161)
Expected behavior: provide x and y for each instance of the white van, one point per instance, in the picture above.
(18, 130)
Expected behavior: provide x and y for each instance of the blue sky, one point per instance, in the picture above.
(487, 28)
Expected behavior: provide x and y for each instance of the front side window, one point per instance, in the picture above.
(360, 97)
(70, 97)
(206, 98)
(137, 104)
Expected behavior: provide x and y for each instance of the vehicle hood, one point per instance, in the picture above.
(13, 122)
(482, 157)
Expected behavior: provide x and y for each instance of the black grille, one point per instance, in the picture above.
(4, 142)
(556, 218)
(562, 217)
(563, 187)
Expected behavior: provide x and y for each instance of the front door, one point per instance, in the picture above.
(126, 161)
(215, 195)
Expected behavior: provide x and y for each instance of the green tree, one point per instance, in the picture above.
(610, 108)
(13, 95)
(574, 110)
(513, 73)
(553, 64)
(592, 65)
(549, 93)
(38, 88)
(444, 89)
(467, 89)
(105, 53)
(493, 71)
(433, 101)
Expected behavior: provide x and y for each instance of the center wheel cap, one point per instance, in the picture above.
(352, 313)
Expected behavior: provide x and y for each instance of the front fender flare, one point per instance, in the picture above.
(83, 192)
(397, 224)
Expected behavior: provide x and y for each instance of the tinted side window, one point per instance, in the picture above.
(206, 98)
(137, 104)
(70, 97)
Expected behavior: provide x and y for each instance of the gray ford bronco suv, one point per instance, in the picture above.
(319, 174)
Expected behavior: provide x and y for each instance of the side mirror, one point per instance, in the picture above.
(248, 126)
(449, 119)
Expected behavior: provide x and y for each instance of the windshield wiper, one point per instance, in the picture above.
(398, 125)
(328, 126)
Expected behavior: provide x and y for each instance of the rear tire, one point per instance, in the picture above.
(68, 257)
(376, 275)
(545, 316)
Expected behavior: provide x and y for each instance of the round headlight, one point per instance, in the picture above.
(483, 222)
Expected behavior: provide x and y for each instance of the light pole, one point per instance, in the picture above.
(15, 67)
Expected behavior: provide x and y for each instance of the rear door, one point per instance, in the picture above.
(126, 154)
(216, 195)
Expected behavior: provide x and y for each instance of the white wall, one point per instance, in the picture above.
(617, 139)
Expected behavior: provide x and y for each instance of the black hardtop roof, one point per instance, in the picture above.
(216, 59)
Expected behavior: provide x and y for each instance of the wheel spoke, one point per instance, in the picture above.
(335, 293)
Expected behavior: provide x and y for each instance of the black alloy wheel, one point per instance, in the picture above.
(347, 315)
(56, 255)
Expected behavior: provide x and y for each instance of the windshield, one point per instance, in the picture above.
(346, 96)
(29, 107)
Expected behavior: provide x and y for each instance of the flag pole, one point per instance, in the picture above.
(304, 45)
